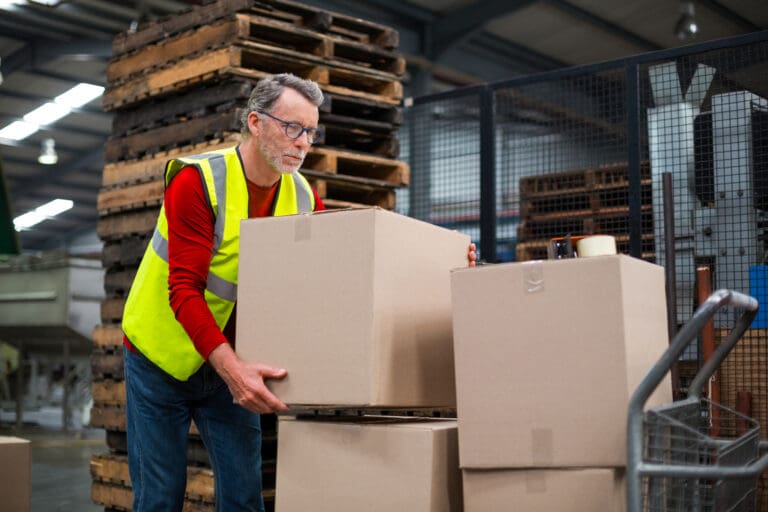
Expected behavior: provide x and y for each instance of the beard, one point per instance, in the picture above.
(274, 158)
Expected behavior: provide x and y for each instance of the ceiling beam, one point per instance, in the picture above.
(91, 157)
(728, 14)
(5, 93)
(604, 25)
(460, 24)
(39, 51)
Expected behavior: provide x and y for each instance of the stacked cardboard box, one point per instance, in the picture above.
(355, 304)
(545, 365)
(15, 474)
(177, 87)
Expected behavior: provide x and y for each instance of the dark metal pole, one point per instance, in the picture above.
(487, 176)
(20, 388)
(65, 404)
(669, 252)
(633, 160)
(670, 271)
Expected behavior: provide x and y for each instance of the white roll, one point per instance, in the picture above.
(598, 245)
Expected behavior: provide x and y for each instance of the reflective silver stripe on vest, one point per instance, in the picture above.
(219, 169)
(160, 245)
(221, 287)
(303, 195)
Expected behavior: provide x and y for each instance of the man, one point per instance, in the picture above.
(179, 320)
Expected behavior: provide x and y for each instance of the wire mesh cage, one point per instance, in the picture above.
(699, 433)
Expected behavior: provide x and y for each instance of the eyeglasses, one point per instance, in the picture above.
(295, 130)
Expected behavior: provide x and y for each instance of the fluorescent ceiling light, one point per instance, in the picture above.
(41, 213)
(48, 113)
(5, 4)
(79, 95)
(18, 130)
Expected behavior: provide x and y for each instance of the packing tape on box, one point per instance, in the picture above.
(542, 452)
(535, 482)
(598, 245)
(533, 276)
(302, 228)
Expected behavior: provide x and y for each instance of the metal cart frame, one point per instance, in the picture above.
(719, 473)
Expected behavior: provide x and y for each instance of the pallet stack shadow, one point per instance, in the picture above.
(581, 202)
(177, 87)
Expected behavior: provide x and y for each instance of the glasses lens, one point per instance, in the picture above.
(293, 130)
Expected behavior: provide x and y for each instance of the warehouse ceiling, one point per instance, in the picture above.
(47, 49)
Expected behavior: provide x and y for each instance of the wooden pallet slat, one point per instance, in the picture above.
(254, 60)
(202, 15)
(107, 336)
(212, 126)
(140, 222)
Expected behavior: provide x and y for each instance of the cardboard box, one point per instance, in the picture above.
(355, 304)
(382, 464)
(548, 354)
(15, 474)
(543, 490)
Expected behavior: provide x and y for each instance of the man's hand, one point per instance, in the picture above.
(246, 380)
(472, 255)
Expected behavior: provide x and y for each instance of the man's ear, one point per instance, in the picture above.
(254, 123)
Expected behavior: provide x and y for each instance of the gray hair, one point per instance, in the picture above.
(269, 89)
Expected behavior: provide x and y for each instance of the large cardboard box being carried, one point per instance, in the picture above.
(546, 362)
(15, 474)
(375, 464)
(544, 490)
(355, 304)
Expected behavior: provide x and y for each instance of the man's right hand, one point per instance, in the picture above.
(246, 380)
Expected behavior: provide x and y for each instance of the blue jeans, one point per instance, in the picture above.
(158, 413)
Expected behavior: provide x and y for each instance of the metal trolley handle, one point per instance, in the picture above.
(636, 468)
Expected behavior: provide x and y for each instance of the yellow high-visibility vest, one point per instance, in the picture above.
(148, 320)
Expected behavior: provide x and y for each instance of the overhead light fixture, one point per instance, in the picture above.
(49, 113)
(18, 130)
(41, 213)
(48, 155)
(686, 26)
(79, 95)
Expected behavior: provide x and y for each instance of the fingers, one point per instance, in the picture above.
(472, 255)
(267, 372)
(263, 402)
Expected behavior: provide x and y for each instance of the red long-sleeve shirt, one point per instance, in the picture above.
(190, 245)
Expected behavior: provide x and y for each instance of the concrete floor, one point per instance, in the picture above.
(61, 479)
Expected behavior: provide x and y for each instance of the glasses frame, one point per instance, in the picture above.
(314, 134)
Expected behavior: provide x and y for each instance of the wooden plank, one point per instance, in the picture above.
(351, 192)
(357, 164)
(352, 137)
(350, 180)
(200, 15)
(253, 57)
(124, 252)
(322, 20)
(107, 364)
(351, 107)
(210, 127)
(114, 469)
(108, 392)
(108, 336)
(152, 167)
(614, 222)
(135, 197)
(108, 417)
(118, 283)
(209, 98)
(141, 222)
(112, 310)
(112, 495)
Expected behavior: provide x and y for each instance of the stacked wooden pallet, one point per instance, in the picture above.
(177, 87)
(581, 202)
(746, 370)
